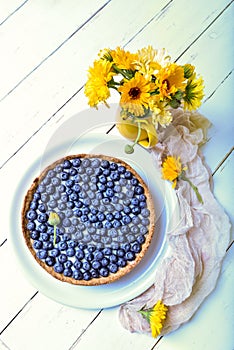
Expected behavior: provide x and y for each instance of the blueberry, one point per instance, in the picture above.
(141, 239)
(50, 261)
(121, 169)
(94, 273)
(105, 164)
(34, 235)
(126, 219)
(45, 236)
(105, 200)
(78, 213)
(139, 189)
(109, 192)
(86, 162)
(50, 189)
(58, 268)
(134, 181)
(145, 212)
(42, 208)
(45, 197)
(101, 187)
(67, 272)
(93, 218)
(96, 264)
(42, 228)
(69, 183)
(145, 222)
(121, 262)
(110, 184)
(77, 275)
(34, 205)
(107, 251)
(41, 188)
(68, 264)
(89, 257)
(104, 272)
(112, 233)
(116, 223)
(113, 258)
(64, 198)
(135, 201)
(120, 252)
(105, 262)
(136, 210)
(74, 196)
(70, 205)
(127, 210)
(117, 188)
(71, 243)
(131, 238)
(61, 188)
(62, 246)
(62, 258)
(109, 216)
(108, 225)
(102, 179)
(86, 276)
(86, 265)
(135, 229)
(52, 204)
(56, 181)
(42, 254)
(51, 174)
(67, 164)
(36, 196)
(66, 222)
(69, 213)
(128, 175)
(115, 176)
(136, 220)
(58, 169)
(130, 256)
(72, 171)
(77, 264)
(76, 162)
(68, 191)
(98, 255)
(136, 247)
(71, 252)
(64, 176)
(125, 229)
(54, 252)
(84, 218)
(113, 268)
(31, 215)
(80, 254)
(46, 180)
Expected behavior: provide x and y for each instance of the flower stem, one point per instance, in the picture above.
(199, 197)
(130, 148)
(54, 235)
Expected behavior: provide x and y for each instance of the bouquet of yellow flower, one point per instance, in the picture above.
(148, 82)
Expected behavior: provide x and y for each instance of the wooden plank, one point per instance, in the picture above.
(45, 324)
(36, 33)
(15, 289)
(61, 84)
(9, 9)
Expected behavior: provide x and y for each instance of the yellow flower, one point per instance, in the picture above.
(54, 220)
(170, 79)
(135, 94)
(123, 59)
(96, 88)
(172, 169)
(156, 317)
(194, 92)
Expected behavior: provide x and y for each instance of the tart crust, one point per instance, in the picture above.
(122, 271)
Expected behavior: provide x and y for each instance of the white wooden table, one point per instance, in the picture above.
(46, 48)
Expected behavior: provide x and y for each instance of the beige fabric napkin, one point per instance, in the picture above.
(199, 242)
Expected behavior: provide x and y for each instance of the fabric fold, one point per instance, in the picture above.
(197, 244)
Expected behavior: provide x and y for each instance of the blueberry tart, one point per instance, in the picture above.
(88, 219)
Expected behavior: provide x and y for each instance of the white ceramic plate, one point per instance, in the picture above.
(141, 277)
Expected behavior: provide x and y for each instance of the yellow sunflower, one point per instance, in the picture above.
(170, 79)
(135, 94)
(194, 93)
(96, 88)
(156, 317)
(123, 59)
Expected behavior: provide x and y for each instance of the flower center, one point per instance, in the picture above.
(134, 93)
(166, 82)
